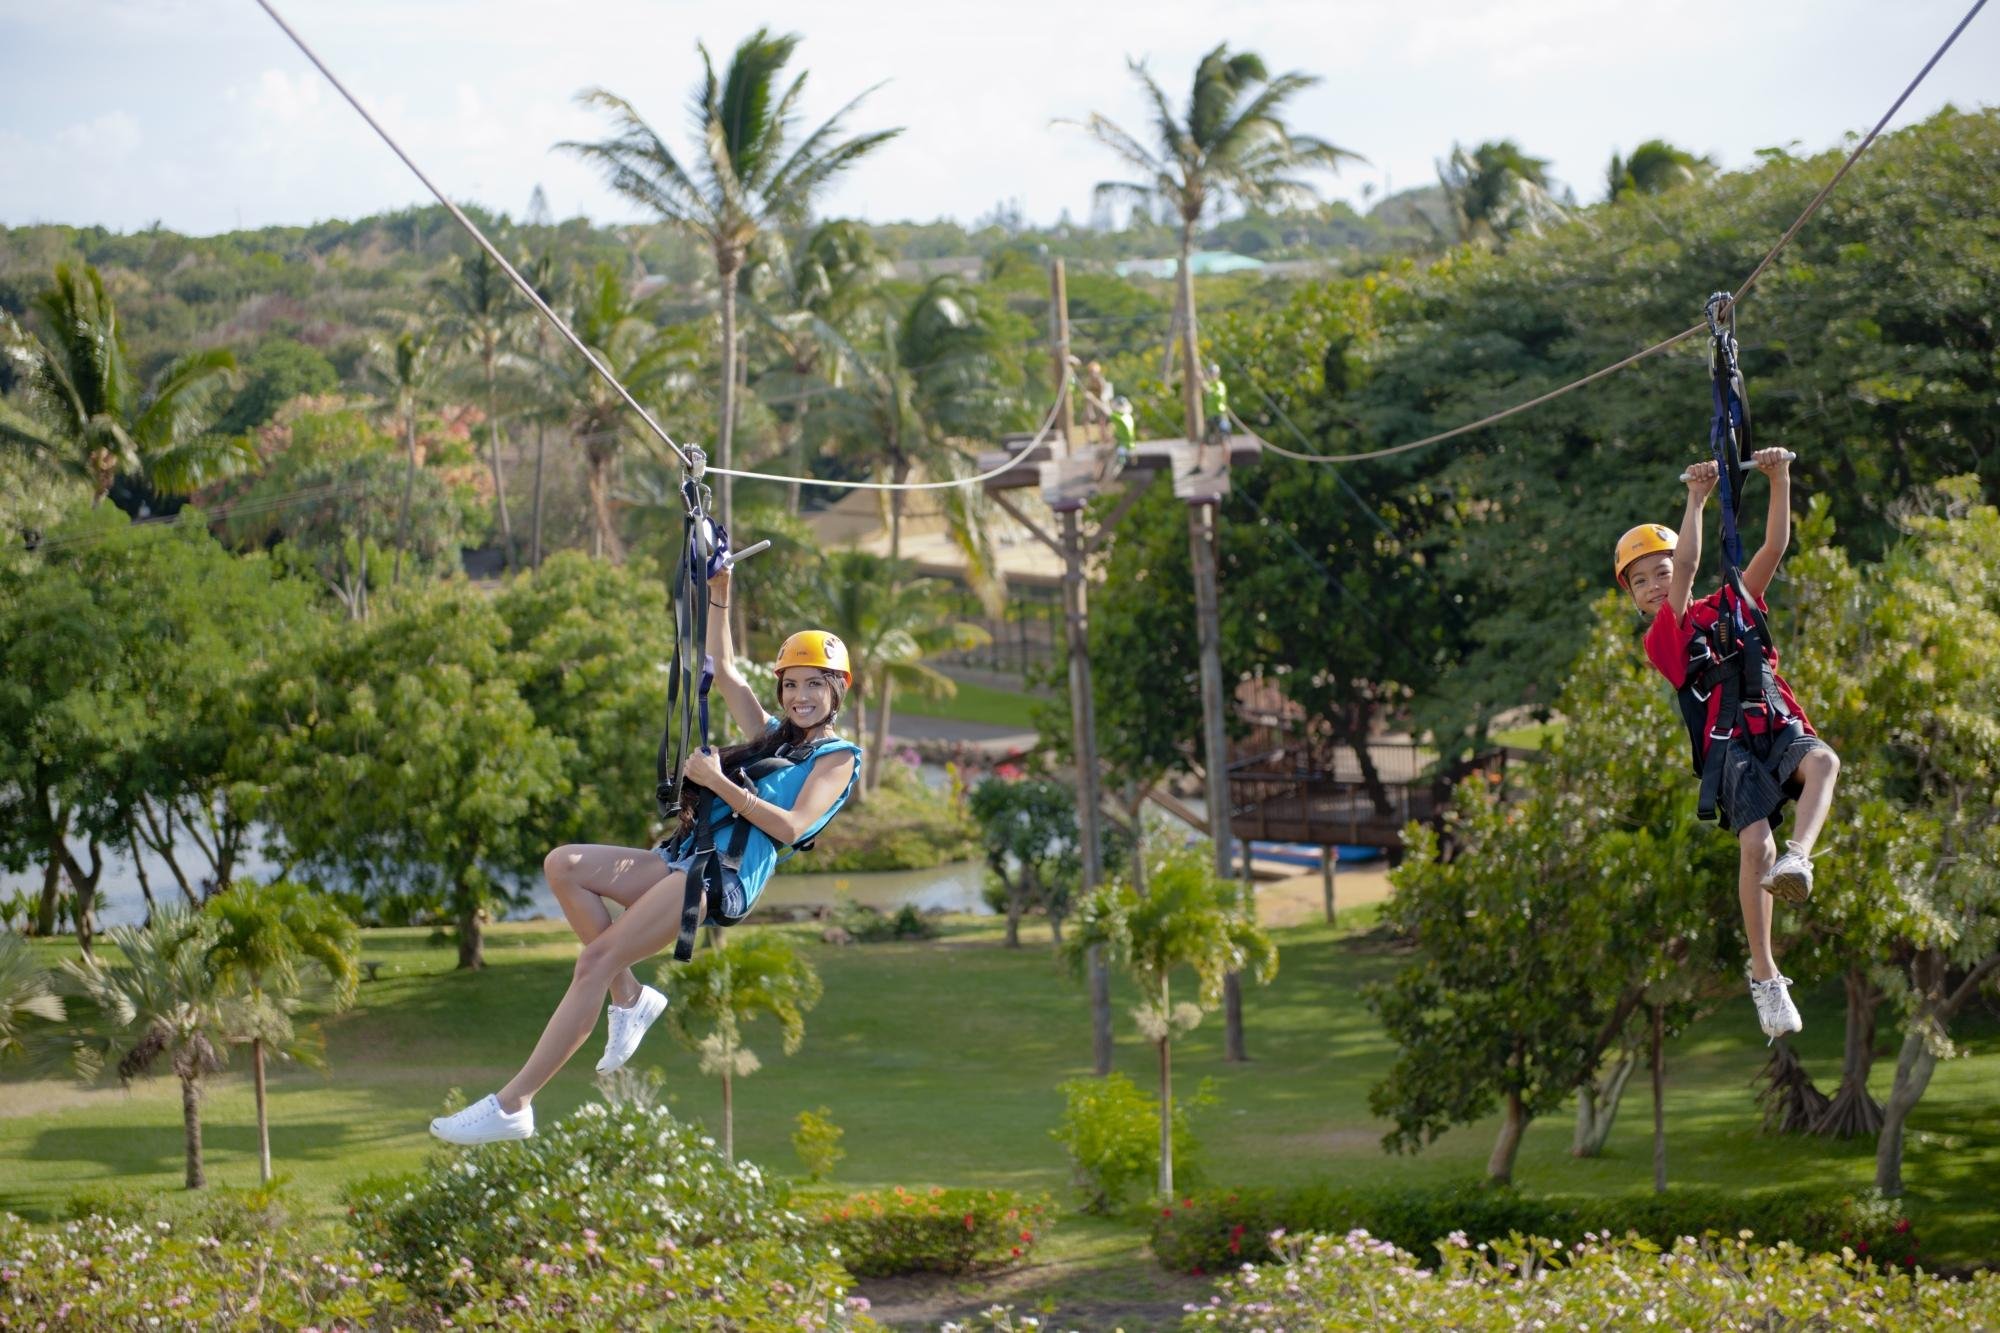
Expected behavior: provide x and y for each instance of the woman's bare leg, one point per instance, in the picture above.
(582, 875)
(1817, 774)
(646, 927)
(1758, 856)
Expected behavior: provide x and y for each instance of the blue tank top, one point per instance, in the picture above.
(760, 853)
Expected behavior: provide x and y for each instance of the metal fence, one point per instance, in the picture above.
(1028, 635)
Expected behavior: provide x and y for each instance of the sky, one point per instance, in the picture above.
(200, 115)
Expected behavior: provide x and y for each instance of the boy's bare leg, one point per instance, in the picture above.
(1758, 855)
(1817, 774)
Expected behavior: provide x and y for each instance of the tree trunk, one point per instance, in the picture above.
(409, 489)
(1233, 1048)
(1853, 1111)
(535, 505)
(729, 1110)
(1215, 735)
(1016, 897)
(1190, 343)
(878, 742)
(499, 479)
(160, 837)
(1328, 867)
(58, 830)
(726, 264)
(263, 1114)
(472, 937)
(1913, 1075)
(1166, 1095)
(603, 539)
(1055, 930)
(85, 884)
(1100, 1011)
(1659, 1047)
(197, 1178)
(1500, 1166)
(1597, 1107)
(139, 867)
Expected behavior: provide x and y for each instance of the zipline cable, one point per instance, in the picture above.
(1684, 334)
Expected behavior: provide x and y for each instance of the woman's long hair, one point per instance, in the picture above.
(735, 758)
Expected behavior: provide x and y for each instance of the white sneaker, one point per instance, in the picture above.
(1791, 878)
(1775, 1012)
(628, 1026)
(485, 1122)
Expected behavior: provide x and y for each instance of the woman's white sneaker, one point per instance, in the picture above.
(485, 1122)
(1775, 1012)
(628, 1028)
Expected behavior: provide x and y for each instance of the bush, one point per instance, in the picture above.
(1216, 1230)
(1360, 1283)
(612, 1193)
(817, 1142)
(1111, 1131)
(902, 825)
(939, 1231)
(870, 926)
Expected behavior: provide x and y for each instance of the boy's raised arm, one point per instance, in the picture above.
(1687, 551)
(1763, 566)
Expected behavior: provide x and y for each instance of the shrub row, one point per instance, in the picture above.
(1355, 1283)
(1215, 1230)
(887, 1234)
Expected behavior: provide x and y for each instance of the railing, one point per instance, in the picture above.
(1285, 796)
(1027, 636)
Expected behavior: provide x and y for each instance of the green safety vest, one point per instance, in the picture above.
(1122, 428)
(1215, 399)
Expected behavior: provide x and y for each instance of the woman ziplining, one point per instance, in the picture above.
(779, 788)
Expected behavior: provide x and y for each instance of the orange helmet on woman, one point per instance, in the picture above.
(816, 648)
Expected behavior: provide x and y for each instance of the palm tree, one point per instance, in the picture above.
(803, 300)
(1218, 147)
(86, 414)
(551, 283)
(1654, 167)
(403, 376)
(721, 989)
(29, 1005)
(161, 1002)
(1188, 918)
(752, 176)
(649, 360)
(1495, 191)
(480, 317)
(921, 379)
(269, 940)
(890, 623)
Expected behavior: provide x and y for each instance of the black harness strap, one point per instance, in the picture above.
(1737, 663)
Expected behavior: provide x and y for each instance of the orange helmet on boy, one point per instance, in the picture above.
(1645, 539)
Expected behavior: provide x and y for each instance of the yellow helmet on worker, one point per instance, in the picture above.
(1645, 539)
(816, 648)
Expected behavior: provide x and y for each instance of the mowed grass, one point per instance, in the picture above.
(975, 702)
(942, 1059)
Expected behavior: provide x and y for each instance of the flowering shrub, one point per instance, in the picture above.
(94, 1273)
(882, 1234)
(1360, 1283)
(590, 1199)
(1220, 1229)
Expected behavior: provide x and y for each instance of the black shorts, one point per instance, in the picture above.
(1753, 788)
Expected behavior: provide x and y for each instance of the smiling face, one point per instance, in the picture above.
(807, 696)
(1647, 578)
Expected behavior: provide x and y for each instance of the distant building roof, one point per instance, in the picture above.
(1205, 262)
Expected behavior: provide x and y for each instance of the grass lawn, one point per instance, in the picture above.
(977, 703)
(941, 1060)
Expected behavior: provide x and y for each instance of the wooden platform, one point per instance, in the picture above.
(1146, 456)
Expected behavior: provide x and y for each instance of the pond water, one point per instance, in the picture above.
(951, 888)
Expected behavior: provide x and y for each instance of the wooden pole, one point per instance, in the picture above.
(1329, 859)
(1059, 302)
(1215, 738)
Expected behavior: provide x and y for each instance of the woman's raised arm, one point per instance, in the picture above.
(744, 707)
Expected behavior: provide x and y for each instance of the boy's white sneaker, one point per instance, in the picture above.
(485, 1122)
(628, 1026)
(1775, 1012)
(1791, 877)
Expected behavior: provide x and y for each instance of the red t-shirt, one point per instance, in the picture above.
(1667, 643)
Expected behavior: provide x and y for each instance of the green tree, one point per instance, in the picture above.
(160, 1001)
(269, 941)
(714, 995)
(1655, 167)
(1497, 191)
(86, 413)
(1029, 831)
(377, 754)
(280, 370)
(1188, 919)
(1231, 141)
(404, 376)
(753, 174)
(480, 317)
(890, 623)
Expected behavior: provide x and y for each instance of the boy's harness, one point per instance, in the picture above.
(1733, 655)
